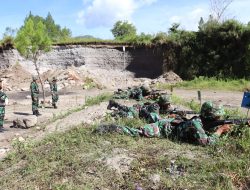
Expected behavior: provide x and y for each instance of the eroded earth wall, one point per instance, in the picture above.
(142, 61)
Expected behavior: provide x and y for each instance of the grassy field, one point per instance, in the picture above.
(80, 159)
(212, 84)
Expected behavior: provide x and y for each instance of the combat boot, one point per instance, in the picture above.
(37, 113)
(111, 104)
(54, 105)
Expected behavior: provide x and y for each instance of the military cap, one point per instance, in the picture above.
(164, 99)
(34, 77)
(54, 79)
(210, 110)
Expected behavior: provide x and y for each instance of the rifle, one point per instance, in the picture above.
(216, 123)
(178, 112)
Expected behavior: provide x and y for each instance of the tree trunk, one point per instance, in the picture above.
(40, 80)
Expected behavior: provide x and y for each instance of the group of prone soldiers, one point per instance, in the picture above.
(34, 89)
(173, 124)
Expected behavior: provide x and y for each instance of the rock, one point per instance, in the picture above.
(21, 139)
(106, 143)
(25, 89)
(72, 82)
(155, 178)
(25, 121)
(8, 88)
(30, 121)
(119, 160)
(28, 97)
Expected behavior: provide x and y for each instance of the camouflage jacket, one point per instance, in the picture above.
(53, 87)
(3, 98)
(34, 89)
(190, 131)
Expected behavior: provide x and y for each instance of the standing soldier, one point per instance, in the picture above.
(3, 102)
(34, 89)
(53, 88)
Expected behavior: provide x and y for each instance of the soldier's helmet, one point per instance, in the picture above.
(34, 77)
(164, 99)
(145, 88)
(54, 79)
(210, 110)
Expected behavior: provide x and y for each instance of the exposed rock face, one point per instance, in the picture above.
(8, 57)
(144, 62)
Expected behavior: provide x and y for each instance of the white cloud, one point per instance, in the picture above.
(239, 10)
(189, 17)
(175, 19)
(106, 12)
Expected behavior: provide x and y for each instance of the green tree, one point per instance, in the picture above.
(31, 41)
(54, 31)
(123, 30)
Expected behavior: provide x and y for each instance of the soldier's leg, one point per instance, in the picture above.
(35, 104)
(2, 114)
(1, 121)
(54, 100)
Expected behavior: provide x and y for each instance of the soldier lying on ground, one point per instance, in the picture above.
(136, 93)
(148, 111)
(187, 131)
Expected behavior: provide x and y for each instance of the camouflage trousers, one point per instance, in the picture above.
(35, 102)
(2, 114)
(55, 98)
(123, 95)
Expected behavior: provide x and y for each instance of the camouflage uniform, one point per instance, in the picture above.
(136, 93)
(147, 112)
(164, 102)
(54, 93)
(186, 131)
(3, 101)
(34, 89)
(210, 111)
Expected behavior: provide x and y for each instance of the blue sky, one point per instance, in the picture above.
(97, 17)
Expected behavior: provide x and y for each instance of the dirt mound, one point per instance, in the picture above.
(169, 77)
(15, 77)
(64, 77)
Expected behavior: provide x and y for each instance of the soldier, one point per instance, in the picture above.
(188, 131)
(3, 103)
(34, 89)
(136, 93)
(53, 89)
(149, 112)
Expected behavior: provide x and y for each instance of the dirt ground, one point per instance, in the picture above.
(74, 97)
(71, 82)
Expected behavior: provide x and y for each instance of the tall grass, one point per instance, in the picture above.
(211, 83)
